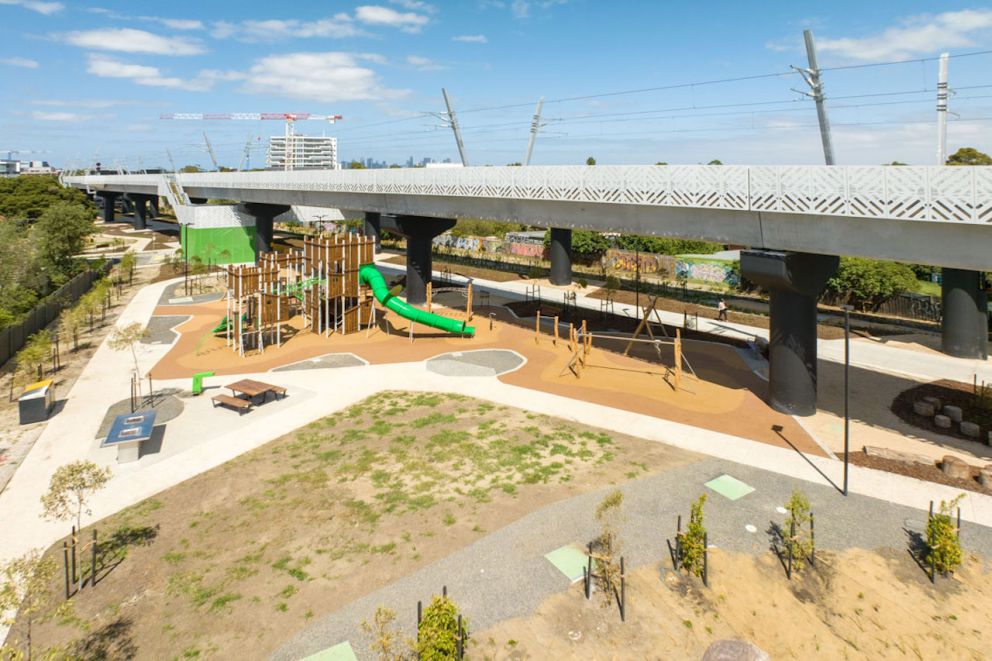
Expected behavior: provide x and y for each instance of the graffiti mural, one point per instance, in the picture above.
(706, 271)
(628, 260)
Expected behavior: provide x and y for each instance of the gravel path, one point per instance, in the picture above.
(482, 362)
(160, 329)
(323, 362)
(505, 575)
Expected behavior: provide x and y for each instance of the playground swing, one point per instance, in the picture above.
(580, 346)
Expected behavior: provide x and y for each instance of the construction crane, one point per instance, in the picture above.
(210, 150)
(290, 118)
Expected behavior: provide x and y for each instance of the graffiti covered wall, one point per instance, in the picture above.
(706, 271)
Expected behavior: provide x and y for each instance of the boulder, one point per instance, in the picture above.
(734, 650)
(985, 477)
(953, 412)
(970, 429)
(942, 421)
(897, 455)
(955, 468)
(933, 400)
(921, 407)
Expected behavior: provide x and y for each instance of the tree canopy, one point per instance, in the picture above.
(61, 233)
(665, 246)
(28, 196)
(969, 156)
(867, 283)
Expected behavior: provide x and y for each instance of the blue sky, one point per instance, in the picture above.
(85, 81)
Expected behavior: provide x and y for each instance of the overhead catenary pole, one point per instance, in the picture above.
(942, 92)
(453, 122)
(210, 150)
(535, 126)
(812, 77)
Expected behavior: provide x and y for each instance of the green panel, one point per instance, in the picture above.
(209, 244)
(569, 560)
(729, 487)
(340, 652)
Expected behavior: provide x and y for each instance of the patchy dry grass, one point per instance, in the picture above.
(246, 554)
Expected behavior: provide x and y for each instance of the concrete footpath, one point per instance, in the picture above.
(871, 355)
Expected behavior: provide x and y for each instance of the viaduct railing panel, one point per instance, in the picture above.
(955, 194)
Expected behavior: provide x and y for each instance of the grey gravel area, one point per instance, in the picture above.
(165, 402)
(504, 575)
(330, 360)
(485, 362)
(160, 329)
(174, 295)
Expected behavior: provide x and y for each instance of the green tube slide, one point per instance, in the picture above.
(371, 276)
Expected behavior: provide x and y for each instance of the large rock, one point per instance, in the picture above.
(953, 412)
(924, 408)
(970, 429)
(955, 468)
(942, 421)
(933, 400)
(734, 650)
(985, 477)
(897, 455)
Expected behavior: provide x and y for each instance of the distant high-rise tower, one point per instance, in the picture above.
(306, 152)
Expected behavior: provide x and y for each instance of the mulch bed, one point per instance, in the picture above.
(929, 473)
(954, 393)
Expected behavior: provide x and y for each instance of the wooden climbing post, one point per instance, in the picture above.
(556, 331)
(586, 342)
(430, 297)
(468, 303)
(571, 336)
(537, 328)
(678, 360)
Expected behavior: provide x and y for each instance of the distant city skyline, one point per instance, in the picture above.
(628, 82)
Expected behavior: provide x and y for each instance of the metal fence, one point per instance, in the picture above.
(13, 337)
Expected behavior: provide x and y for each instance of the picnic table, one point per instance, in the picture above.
(252, 389)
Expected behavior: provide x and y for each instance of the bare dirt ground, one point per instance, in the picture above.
(16, 439)
(854, 605)
(235, 560)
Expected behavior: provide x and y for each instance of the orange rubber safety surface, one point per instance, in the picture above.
(726, 397)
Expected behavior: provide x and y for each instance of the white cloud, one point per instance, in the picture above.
(338, 26)
(46, 116)
(46, 8)
(379, 15)
(84, 103)
(471, 38)
(521, 8)
(22, 62)
(415, 5)
(176, 23)
(423, 63)
(129, 40)
(916, 36)
(108, 67)
(328, 77)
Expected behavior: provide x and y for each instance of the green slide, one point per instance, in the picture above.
(371, 276)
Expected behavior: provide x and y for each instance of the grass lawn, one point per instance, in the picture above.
(230, 563)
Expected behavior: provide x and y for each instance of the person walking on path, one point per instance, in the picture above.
(721, 308)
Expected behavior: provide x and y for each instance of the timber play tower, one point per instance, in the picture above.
(329, 284)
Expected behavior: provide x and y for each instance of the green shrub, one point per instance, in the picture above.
(612, 283)
(535, 272)
(943, 550)
(437, 637)
(693, 551)
(800, 546)
(867, 283)
(582, 283)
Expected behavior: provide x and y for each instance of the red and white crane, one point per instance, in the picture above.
(290, 118)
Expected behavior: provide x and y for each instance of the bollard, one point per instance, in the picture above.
(93, 561)
(812, 540)
(589, 573)
(623, 592)
(706, 560)
(65, 566)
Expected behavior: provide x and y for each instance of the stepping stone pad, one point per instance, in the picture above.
(340, 652)
(569, 560)
(729, 487)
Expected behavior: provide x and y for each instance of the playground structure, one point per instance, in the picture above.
(580, 345)
(320, 283)
(329, 284)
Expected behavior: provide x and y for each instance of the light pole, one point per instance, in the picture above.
(847, 399)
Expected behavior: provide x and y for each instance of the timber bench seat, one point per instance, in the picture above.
(241, 405)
